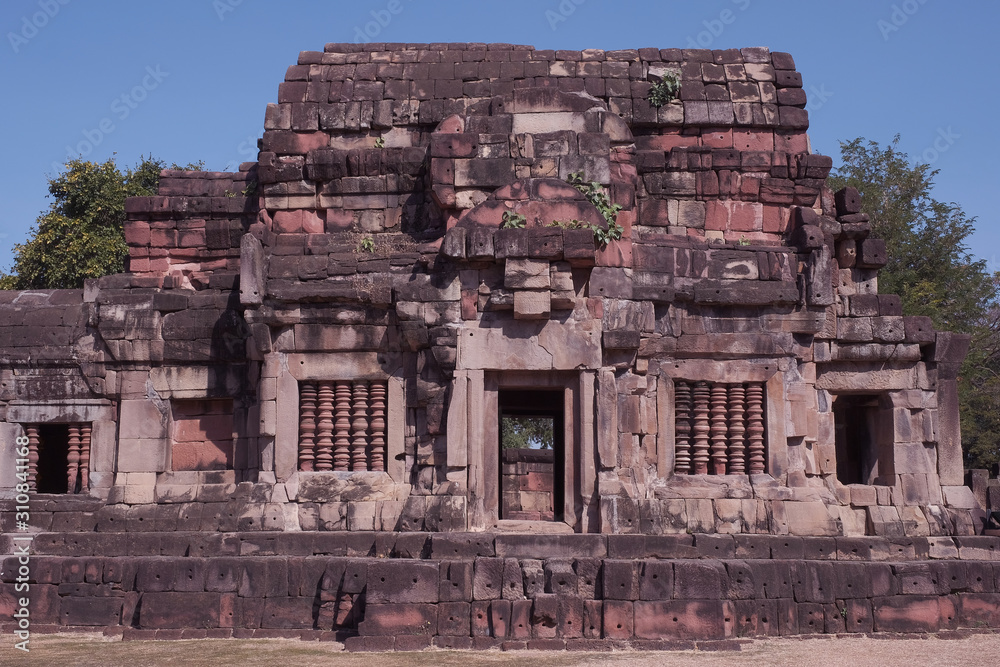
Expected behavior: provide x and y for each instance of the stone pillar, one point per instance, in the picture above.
(85, 431)
(737, 444)
(73, 458)
(342, 427)
(32, 431)
(949, 352)
(359, 427)
(326, 459)
(307, 426)
(682, 428)
(755, 427)
(700, 429)
(378, 391)
(718, 428)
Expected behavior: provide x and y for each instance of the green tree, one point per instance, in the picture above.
(931, 269)
(82, 234)
(522, 432)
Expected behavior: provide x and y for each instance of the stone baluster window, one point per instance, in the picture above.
(58, 457)
(342, 425)
(719, 428)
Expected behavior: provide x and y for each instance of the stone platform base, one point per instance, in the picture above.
(403, 591)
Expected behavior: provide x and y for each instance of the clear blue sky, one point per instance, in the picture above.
(197, 74)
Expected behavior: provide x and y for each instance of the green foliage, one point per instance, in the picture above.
(380, 142)
(521, 432)
(931, 269)
(597, 196)
(512, 220)
(664, 90)
(929, 265)
(367, 244)
(81, 235)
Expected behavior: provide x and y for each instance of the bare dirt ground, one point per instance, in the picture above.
(978, 650)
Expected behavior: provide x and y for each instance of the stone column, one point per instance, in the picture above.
(378, 392)
(359, 427)
(73, 458)
(682, 428)
(700, 429)
(755, 426)
(307, 426)
(718, 428)
(737, 444)
(32, 431)
(85, 431)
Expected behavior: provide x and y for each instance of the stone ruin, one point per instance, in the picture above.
(308, 362)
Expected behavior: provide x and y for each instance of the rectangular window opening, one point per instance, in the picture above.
(856, 421)
(342, 425)
(532, 454)
(59, 457)
(720, 428)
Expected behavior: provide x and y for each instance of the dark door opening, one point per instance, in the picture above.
(855, 419)
(532, 454)
(53, 448)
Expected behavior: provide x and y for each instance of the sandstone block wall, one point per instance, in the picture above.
(408, 591)
(417, 237)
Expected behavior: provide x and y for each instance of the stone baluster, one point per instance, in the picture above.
(325, 456)
(755, 426)
(699, 457)
(85, 432)
(719, 428)
(73, 458)
(307, 426)
(737, 430)
(342, 440)
(32, 433)
(682, 428)
(378, 393)
(359, 427)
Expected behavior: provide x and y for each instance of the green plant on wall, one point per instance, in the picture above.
(367, 244)
(597, 196)
(664, 90)
(512, 220)
(380, 142)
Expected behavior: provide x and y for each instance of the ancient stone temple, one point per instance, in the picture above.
(311, 361)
